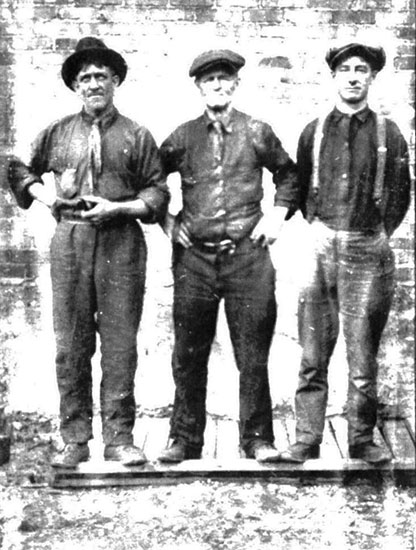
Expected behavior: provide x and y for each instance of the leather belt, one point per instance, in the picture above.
(227, 246)
(75, 218)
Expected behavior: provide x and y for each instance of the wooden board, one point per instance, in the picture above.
(399, 439)
(104, 474)
(329, 447)
(339, 428)
(221, 458)
(281, 439)
(156, 437)
(210, 438)
(227, 440)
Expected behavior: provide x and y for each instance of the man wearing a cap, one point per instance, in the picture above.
(108, 175)
(221, 243)
(354, 179)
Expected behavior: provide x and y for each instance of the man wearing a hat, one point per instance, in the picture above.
(220, 251)
(108, 175)
(354, 179)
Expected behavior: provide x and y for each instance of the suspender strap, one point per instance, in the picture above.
(381, 160)
(319, 134)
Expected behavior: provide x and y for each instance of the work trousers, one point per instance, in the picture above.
(98, 279)
(350, 277)
(245, 279)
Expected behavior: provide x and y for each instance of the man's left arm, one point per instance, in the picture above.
(397, 179)
(152, 198)
(277, 161)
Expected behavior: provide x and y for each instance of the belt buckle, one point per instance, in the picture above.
(227, 245)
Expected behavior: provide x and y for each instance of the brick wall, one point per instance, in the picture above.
(285, 80)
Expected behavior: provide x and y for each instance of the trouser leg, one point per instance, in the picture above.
(248, 277)
(195, 310)
(366, 291)
(120, 271)
(72, 252)
(318, 331)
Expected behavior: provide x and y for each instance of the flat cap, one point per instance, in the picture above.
(213, 58)
(375, 57)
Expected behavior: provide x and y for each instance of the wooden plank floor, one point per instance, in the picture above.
(222, 459)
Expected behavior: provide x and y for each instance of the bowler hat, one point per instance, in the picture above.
(214, 58)
(375, 57)
(90, 49)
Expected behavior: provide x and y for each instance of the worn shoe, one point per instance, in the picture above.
(128, 455)
(263, 451)
(370, 452)
(71, 456)
(299, 452)
(178, 452)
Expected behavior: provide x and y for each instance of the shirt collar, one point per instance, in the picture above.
(104, 121)
(225, 118)
(362, 115)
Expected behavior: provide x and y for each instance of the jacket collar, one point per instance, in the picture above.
(104, 121)
(362, 115)
(226, 119)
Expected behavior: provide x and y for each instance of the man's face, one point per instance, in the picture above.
(353, 78)
(217, 87)
(95, 87)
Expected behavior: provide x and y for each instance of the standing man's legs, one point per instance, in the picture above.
(72, 257)
(195, 311)
(72, 260)
(318, 332)
(366, 292)
(120, 273)
(248, 279)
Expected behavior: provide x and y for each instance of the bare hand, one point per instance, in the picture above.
(102, 209)
(176, 231)
(268, 227)
(181, 235)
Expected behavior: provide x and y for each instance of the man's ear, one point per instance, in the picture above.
(116, 80)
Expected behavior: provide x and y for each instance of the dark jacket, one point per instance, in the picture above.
(131, 165)
(221, 197)
(351, 205)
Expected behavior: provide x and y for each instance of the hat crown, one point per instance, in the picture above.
(375, 56)
(89, 43)
(91, 48)
(211, 58)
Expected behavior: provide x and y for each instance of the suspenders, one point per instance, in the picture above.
(381, 158)
(381, 162)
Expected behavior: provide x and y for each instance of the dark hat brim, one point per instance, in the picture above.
(104, 56)
(375, 57)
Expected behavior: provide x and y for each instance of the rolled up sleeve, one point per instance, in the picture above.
(153, 190)
(278, 162)
(21, 175)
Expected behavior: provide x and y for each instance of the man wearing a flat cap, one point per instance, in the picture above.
(354, 179)
(221, 251)
(108, 175)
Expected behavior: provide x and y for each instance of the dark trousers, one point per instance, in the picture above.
(246, 282)
(98, 278)
(350, 276)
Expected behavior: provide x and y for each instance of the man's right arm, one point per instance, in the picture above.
(304, 164)
(172, 153)
(25, 179)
